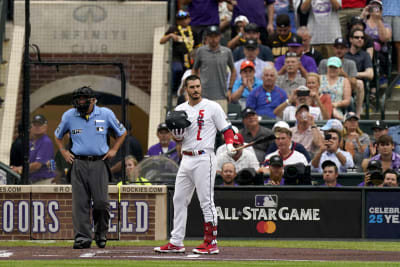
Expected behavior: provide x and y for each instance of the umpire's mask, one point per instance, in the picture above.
(82, 107)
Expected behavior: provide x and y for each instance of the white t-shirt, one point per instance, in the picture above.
(289, 113)
(246, 160)
(206, 117)
(293, 158)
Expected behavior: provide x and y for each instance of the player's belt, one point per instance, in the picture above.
(193, 152)
(89, 158)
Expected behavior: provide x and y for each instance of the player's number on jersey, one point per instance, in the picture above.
(200, 123)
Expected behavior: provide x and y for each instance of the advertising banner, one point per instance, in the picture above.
(382, 214)
(283, 214)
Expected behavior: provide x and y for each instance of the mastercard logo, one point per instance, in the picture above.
(267, 227)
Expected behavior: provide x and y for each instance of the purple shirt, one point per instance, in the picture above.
(254, 10)
(41, 151)
(281, 183)
(203, 12)
(395, 160)
(156, 150)
(307, 62)
(337, 185)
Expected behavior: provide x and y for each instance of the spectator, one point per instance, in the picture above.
(386, 155)
(132, 173)
(378, 129)
(291, 78)
(373, 167)
(390, 178)
(337, 87)
(301, 96)
(41, 151)
(255, 11)
(330, 150)
(360, 57)
(394, 132)
(166, 146)
(323, 101)
(308, 50)
(252, 130)
(330, 174)
(275, 170)
(251, 32)
(264, 99)
(247, 82)
(132, 147)
(348, 70)
(17, 152)
(358, 23)
(242, 159)
(295, 45)
(280, 39)
(184, 41)
(239, 24)
(293, 146)
(354, 140)
(350, 9)
(228, 174)
(285, 7)
(306, 132)
(251, 52)
(323, 22)
(283, 140)
(204, 13)
(211, 62)
(391, 15)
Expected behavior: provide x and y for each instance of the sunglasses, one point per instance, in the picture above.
(291, 54)
(358, 37)
(268, 97)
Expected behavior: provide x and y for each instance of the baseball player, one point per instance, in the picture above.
(198, 166)
(88, 125)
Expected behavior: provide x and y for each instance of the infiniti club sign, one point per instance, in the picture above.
(90, 14)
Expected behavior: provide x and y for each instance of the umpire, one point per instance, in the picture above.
(90, 173)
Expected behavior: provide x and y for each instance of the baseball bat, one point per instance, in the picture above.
(258, 141)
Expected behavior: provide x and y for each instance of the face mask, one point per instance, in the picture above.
(82, 108)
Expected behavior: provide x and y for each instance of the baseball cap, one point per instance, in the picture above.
(251, 44)
(182, 14)
(251, 27)
(281, 124)
(350, 115)
(334, 61)
(248, 111)
(374, 164)
(302, 106)
(282, 20)
(341, 41)
(247, 64)
(380, 125)
(238, 139)
(276, 160)
(356, 20)
(327, 163)
(295, 41)
(39, 119)
(241, 18)
(162, 126)
(332, 124)
(213, 30)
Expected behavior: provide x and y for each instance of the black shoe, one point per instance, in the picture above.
(82, 244)
(101, 240)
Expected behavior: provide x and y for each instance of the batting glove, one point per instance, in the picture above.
(178, 134)
(230, 149)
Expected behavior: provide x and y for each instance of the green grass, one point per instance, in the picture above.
(119, 263)
(359, 245)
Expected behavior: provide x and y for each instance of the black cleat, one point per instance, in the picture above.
(82, 244)
(101, 240)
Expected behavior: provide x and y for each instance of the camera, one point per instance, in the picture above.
(297, 174)
(303, 93)
(328, 136)
(374, 169)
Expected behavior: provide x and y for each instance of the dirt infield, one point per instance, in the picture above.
(226, 253)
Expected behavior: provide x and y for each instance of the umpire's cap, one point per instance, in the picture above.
(177, 119)
(83, 91)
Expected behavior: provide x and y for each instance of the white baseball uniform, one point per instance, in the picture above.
(197, 171)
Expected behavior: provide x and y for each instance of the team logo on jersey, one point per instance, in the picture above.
(100, 129)
(76, 131)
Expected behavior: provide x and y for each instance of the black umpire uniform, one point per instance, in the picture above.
(90, 173)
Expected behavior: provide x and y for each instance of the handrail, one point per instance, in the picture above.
(3, 19)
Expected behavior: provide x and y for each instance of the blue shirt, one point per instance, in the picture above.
(394, 132)
(258, 101)
(89, 137)
(246, 92)
(391, 8)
